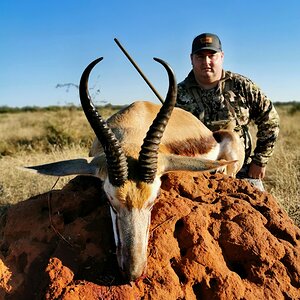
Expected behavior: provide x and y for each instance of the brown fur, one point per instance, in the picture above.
(131, 124)
(221, 134)
(134, 194)
(191, 147)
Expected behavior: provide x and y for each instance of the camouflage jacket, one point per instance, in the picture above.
(233, 104)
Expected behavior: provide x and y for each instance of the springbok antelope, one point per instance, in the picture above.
(130, 154)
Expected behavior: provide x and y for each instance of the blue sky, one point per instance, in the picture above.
(45, 43)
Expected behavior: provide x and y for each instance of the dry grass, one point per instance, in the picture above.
(283, 173)
(17, 184)
(29, 138)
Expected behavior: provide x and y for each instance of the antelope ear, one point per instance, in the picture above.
(172, 162)
(79, 166)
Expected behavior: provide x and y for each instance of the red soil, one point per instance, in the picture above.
(211, 237)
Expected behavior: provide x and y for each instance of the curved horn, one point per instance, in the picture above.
(149, 150)
(116, 160)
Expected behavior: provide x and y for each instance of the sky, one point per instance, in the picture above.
(46, 45)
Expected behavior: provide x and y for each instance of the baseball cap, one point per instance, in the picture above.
(206, 41)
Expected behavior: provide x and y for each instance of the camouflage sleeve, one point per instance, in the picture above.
(266, 119)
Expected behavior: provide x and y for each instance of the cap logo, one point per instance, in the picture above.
(206, 40)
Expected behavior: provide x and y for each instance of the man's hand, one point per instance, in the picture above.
(256, 171)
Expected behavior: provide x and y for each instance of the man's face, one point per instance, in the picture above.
(207, 66)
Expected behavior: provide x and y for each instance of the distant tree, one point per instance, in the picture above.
(95, 91)
(67, 86)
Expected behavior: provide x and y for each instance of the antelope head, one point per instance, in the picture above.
(130, 183)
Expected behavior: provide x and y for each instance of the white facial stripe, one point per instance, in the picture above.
(133, 229)
(114, 222)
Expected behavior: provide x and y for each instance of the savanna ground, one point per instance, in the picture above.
(36, 136)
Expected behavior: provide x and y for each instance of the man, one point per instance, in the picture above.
(225, 100)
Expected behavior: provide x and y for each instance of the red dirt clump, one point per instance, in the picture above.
(211, 237)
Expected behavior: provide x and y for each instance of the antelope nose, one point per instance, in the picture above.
(131, 274)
